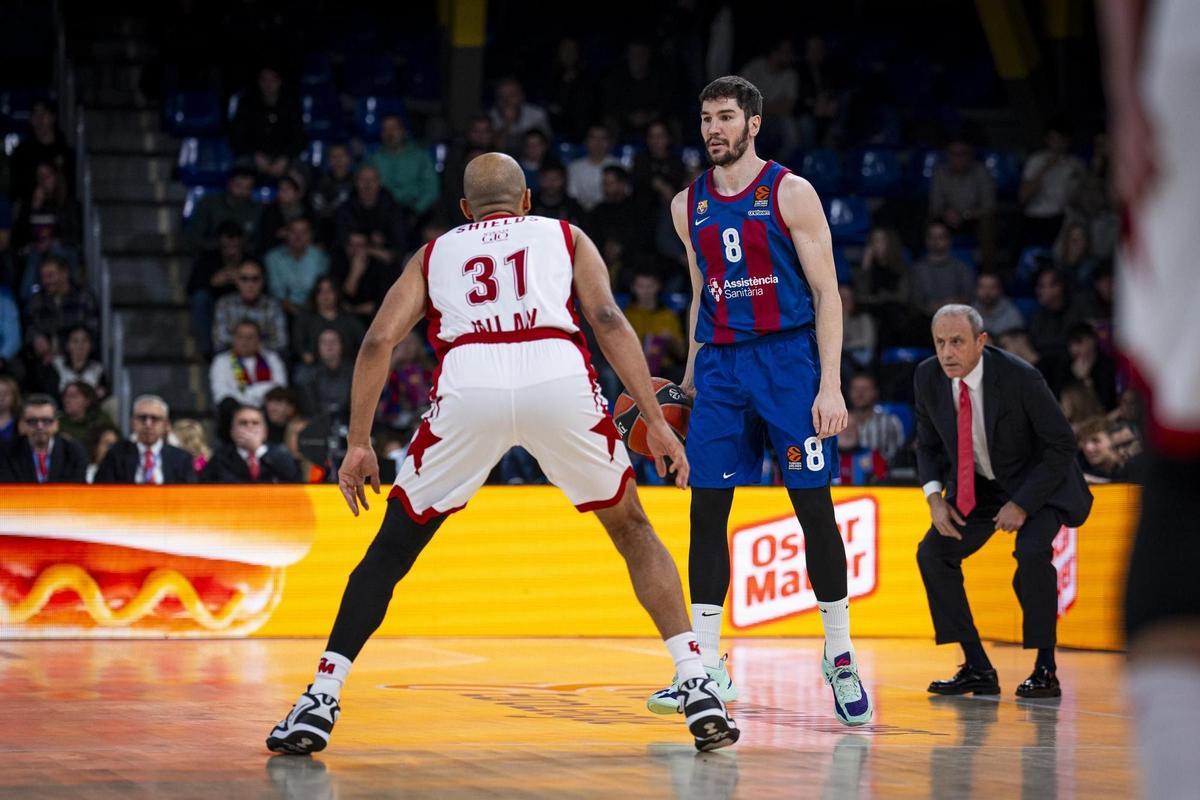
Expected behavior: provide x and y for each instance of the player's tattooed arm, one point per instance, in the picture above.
(805, 219)
(679, 216)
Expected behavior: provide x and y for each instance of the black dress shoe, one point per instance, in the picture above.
(968, 680)
(1042, 683)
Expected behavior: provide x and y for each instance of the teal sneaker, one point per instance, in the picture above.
(666, 701)
(850, 699)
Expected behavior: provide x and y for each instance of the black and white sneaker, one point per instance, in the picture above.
(707, 719)
(306, 729)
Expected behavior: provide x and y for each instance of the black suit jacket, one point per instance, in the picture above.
(121, 464)
(226, 466)
(1030, 442)
(68, 462)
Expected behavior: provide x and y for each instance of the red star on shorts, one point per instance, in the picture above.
(606, 428)
(424, 439)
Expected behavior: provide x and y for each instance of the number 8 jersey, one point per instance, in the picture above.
(753, 280)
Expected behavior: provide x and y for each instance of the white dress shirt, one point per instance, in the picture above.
(258, 454)
(157, 475)
(983, 461)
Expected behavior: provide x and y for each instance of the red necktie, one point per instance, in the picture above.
(252, 463)
(965, 495)
(148, 468)
(42, 470)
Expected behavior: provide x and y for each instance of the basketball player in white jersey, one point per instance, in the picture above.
(513, 370)
(1152, 57)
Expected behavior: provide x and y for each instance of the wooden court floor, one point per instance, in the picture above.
(542, 718)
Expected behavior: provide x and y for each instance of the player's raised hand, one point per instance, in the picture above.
(359, 466)
(829, 415)
(663, 443)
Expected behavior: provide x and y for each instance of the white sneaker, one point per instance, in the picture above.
(666, 701)
(306, 729)
(706, 716)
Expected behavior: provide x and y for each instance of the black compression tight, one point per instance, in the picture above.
(708, 557)
(369, 591)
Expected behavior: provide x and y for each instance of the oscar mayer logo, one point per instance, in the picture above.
(769, 578)
(1066, 562)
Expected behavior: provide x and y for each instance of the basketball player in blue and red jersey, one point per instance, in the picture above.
(763, 365)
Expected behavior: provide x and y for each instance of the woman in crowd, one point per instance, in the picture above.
(97, 445)
(325, 312)
(81, 415)
(189, 434)
(77, 363)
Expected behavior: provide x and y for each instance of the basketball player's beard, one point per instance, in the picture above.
(733, 151)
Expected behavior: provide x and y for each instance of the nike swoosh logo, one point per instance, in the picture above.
(700, 220)
(709, 613)
(728, 475)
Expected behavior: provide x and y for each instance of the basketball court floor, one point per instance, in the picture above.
(542, 718)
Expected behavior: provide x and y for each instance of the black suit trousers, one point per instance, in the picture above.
(1035, 582)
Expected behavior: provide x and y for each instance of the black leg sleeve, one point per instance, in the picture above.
(369, 591)
(708, 557)
(824, 550)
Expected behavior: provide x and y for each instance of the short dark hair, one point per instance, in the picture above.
(1080, 331)
(742, 91)
(86, 389)
(285, 394)
(40, 399)
(229, 229)
(56, 260)
(242, 171)
(261, 414)
(243, 322)
(617, 171)
(552, 165)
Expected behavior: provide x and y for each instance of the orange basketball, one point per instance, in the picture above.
(676, 407)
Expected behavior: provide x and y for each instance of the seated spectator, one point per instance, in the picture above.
(248, 458)
(242, 375)
(324, 312)
(881, 286)
(658, 174)
(10, 331)
(46, 146)
(939, 278)
(81, 412)
(148, 459)
(657, 328)
(333, 188)
(267, 131)
(1079, 403)
(58, 306)
(235, 204)
(1055, 313)
(10, 409)
(776, 77)
(40, 455)
(877, 429)
(999, 313)
(405, 168)
(372, 211)
(478, 138)
(1128, 413)
(1073, 255)
(1101, 461)
(571, 92)
(636, 92)
(512, 117)
(367, 272)
(289, 204)
(1094, 302)
(281, 405)
(859, 465)
(214, 275)
(617, 225)
(49, 218)
(585, 176)
(535, 153)
(406, 393)
(550, 198)
(859, 334)
(191, 437)
(327, 383)
(294, 267)
(97, 447)
(1091, 367)
(251, 302)
(962, 194)
(78, 363)
(35, 367)
(1053, 369)
(1047, 182)
(1091, 204)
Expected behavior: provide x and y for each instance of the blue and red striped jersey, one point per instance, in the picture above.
(754, 284)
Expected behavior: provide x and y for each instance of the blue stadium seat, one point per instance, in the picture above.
(965, 255)
(1005, 169)
(677, 301)
(265, 194)
(842, 264)
(369, 73)
(877, 172)
(194, 194)
(849, 219)
(321, 112)
(622, 299)
(193, 113)
(438, 154)
(904, 412)
(17, 105)
(370, 111)
(823, 169)
(904, 355)
(569, 151)
(1027, 306)
(204, 162)
(313, 154)
(1032, 260)
(921, 163)
(316, 71)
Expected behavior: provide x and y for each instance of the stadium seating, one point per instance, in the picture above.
(193, 197)
(1005, 169)
(321, 112)
(316, 71)
(193, 114)
(904, 355)
(904, 412)
(204, 162)
(877, 172)
(823, 169)
(370, 111)
(921, 163)
(369, 73)
(849, 219)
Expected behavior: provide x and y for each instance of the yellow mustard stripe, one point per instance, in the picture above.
(159, 584)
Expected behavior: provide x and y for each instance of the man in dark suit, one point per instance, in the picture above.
(147, 459)
(988, 425)
(39, 455)
(249, 459)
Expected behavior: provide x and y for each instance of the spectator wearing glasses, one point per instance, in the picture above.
(251, 302)
(40, 455)
(249, 458)
(147, 459)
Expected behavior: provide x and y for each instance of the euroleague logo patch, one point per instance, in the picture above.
(769, 576)
(762, 196)
(795, 454)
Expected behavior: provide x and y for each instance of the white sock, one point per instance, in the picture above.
(835, 617)
(1164, 697)
(685, 652)
(706, 620)
(331, 674)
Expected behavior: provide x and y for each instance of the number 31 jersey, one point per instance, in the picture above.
(500, 279)
(752, 277)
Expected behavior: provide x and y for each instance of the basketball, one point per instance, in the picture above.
(676, 407)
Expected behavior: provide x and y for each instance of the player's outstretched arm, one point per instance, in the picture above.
(621, 347)
(679, 217)
(805, 220)
(402, 308)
